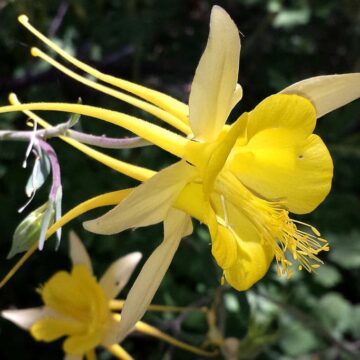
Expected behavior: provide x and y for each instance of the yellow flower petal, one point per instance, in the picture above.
(63, 292)
(238, 244)
(78, 253)
(224, 246)
(253, 256)
(220, 152)
(213, 91)
(81, 343)
(283, 164)
(176, 226)
(80, 310)
(328, 92)
(192, 201)
(118, 274)
(75, 294)
(50, 329)
(148, 204)
(251, 266)
(284, 111)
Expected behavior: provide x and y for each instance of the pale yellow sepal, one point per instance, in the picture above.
(118, 274)
(176, 226)
(78, 253)
(214, 90)
(148, 204)
(327, 92)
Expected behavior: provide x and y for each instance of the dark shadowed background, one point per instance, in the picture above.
(158, 43)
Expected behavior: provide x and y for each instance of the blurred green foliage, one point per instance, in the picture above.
(158, 43)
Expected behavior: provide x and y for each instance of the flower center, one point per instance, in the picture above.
(78, 309)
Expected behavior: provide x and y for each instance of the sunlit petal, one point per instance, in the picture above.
(282, 111)
(118, 274)
(148, 204)
(328, 92)
(253, 255)
(49, 329)
(213, 91)
(83, 342)
(176, 226)
(78, 253)
(282, 164)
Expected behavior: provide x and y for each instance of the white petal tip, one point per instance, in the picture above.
(23, 318)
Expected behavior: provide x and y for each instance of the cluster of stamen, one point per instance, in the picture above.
(283, 235)
(276, 229)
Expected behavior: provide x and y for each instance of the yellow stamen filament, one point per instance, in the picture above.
(169, 141)
(112, 198)
(164, 101)
(117, 305)
(151, 109)
(313, 229)
(275, 227)
(119, 352)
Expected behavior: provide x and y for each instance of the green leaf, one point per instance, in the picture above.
(290, 18)
(296, 339)
(345, 249)
(335, 313)
(355, 323)
(327, 276)
(27, 232)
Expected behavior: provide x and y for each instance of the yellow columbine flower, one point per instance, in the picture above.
(241, 180)
(77, 306)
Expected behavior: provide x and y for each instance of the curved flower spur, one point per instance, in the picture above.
(241, 180)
